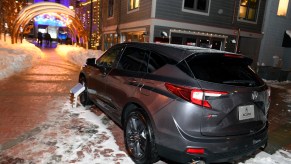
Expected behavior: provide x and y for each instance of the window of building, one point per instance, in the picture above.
(248, 10)
(110, 8)
(197, 6)
(283, 7)
(133, 4)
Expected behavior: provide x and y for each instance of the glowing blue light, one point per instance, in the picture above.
(50, 20)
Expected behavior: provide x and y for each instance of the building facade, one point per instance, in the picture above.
(234, 26)
(89, 12)
(275, 52)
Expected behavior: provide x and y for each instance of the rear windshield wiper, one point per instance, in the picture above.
(242, 82)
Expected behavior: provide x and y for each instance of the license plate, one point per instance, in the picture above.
(246, 112)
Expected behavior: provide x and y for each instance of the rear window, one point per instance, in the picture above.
(225, 70)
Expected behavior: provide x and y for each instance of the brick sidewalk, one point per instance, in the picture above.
(27, 97)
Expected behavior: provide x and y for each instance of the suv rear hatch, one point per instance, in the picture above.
(235, 99)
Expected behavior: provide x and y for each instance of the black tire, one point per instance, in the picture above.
(139, 138)
(84, 99)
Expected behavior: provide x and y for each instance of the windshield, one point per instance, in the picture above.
(222, 69)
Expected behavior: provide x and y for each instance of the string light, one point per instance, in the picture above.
(199, 33)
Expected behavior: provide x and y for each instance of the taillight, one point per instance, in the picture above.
(196, 96)
(184, 93)
(195, 150)
(233, 55)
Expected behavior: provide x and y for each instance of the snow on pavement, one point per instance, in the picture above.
(15, 58)
(77, 55)
(75, 135)
(280, 157)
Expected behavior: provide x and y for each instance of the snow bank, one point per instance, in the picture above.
(281, 156)
(103, 134)
(77, 55)
(17, 57)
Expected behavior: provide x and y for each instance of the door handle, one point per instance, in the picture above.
(133, 81)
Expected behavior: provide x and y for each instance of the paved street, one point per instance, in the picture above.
(28, 98)
(280, 118)
(34, 122)
(37, 120)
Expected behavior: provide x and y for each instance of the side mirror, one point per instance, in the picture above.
(91, 61)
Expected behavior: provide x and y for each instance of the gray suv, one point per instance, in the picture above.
(181, 103)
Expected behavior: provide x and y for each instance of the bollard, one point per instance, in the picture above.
(76, 91)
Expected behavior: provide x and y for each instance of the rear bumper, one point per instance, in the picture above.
(217, 149)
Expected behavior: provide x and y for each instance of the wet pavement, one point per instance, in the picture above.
(28, 97)
(280, 117)
(31, 104)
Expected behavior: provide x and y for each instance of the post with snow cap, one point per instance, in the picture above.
(76, 91)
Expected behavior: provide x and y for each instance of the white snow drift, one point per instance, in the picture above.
(17, 57)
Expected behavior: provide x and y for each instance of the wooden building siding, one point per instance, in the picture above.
(142, 13)
(113, 20)
(172, 10)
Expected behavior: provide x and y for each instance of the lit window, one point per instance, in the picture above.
(196, 6)
(110, 8)
(249, 10)
(133, 4)
(283, 7)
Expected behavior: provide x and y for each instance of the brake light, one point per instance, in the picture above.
(233, 56)
(182, 92)
(195, 150)
(195, 96)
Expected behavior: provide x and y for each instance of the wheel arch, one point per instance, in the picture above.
(81, 75)
(133, 105)
(154, 155)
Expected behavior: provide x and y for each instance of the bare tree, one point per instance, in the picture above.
(8, 13)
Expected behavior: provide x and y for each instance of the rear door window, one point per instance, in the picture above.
(133, 59)
(156, 61)
(225, 70)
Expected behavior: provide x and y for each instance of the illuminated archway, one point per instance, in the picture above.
(36, 9)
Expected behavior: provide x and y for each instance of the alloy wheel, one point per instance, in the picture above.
(136, 136)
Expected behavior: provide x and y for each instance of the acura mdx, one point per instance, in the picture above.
(181, 103)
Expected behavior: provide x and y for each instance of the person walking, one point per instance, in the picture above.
(39, 38)
(48, 39)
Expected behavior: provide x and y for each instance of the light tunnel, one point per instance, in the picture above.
(31, 11)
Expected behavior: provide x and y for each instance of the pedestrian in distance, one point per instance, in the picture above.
(48, 39)
(39, 38)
